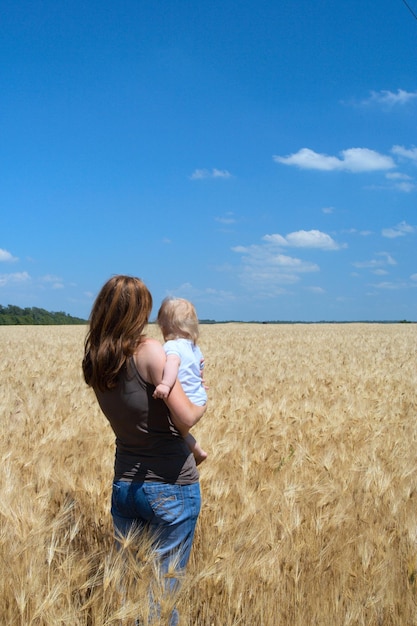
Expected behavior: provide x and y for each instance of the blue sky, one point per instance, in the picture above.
(258, 158)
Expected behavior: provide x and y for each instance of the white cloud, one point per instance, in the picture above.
(18, 277)
(389, 260)
(215, 296)
(353, 160)
(365, 160)
(402, 182)
(308, 159)
(413, 277)
(214, 173)
(292, 263)
(7, 256)
(406, 187)
(221, 173)
(266, 258)
(276, 239)
(50, 278)
(354, 231)
(367, 264)
(397, 176)
(406, 153)
(400, 230)
(318, 290)
(226, 219)
(343, 299)
(373, 264)
(54, 281)
(265, 270)
(389, 285)
(328, 210)
(389, 98)
(312, 239)
(304, 239)
(198, 295)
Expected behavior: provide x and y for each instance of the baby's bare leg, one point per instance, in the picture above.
(200, 455)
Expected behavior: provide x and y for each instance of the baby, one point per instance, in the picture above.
(178, 321)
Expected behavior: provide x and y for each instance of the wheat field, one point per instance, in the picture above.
(309, 512)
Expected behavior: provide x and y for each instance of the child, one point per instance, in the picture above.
(177, 319)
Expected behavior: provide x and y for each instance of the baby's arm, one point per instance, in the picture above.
(169, 377)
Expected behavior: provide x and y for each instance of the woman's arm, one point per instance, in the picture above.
(184, 413)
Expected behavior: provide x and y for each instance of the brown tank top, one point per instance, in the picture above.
(148, 445)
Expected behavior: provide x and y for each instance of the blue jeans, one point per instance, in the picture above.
(170, 512)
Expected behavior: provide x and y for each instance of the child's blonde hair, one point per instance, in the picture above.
(178, 318)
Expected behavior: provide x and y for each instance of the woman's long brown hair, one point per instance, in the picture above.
(117, 320)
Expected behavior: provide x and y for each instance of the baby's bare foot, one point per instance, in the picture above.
(200, 455)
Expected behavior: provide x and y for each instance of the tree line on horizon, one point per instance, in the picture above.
(12, 315)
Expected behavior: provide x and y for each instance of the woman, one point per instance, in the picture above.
(156, 484)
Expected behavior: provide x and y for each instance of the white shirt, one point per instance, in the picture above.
(189, 373)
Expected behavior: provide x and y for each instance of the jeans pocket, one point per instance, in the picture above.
(121, 504)
(165, 500)
(115, 497)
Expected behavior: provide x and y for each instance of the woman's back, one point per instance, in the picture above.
(148, 445)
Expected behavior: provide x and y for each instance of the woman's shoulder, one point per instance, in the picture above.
(150, 359)
(149, 346)
(149, 341)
